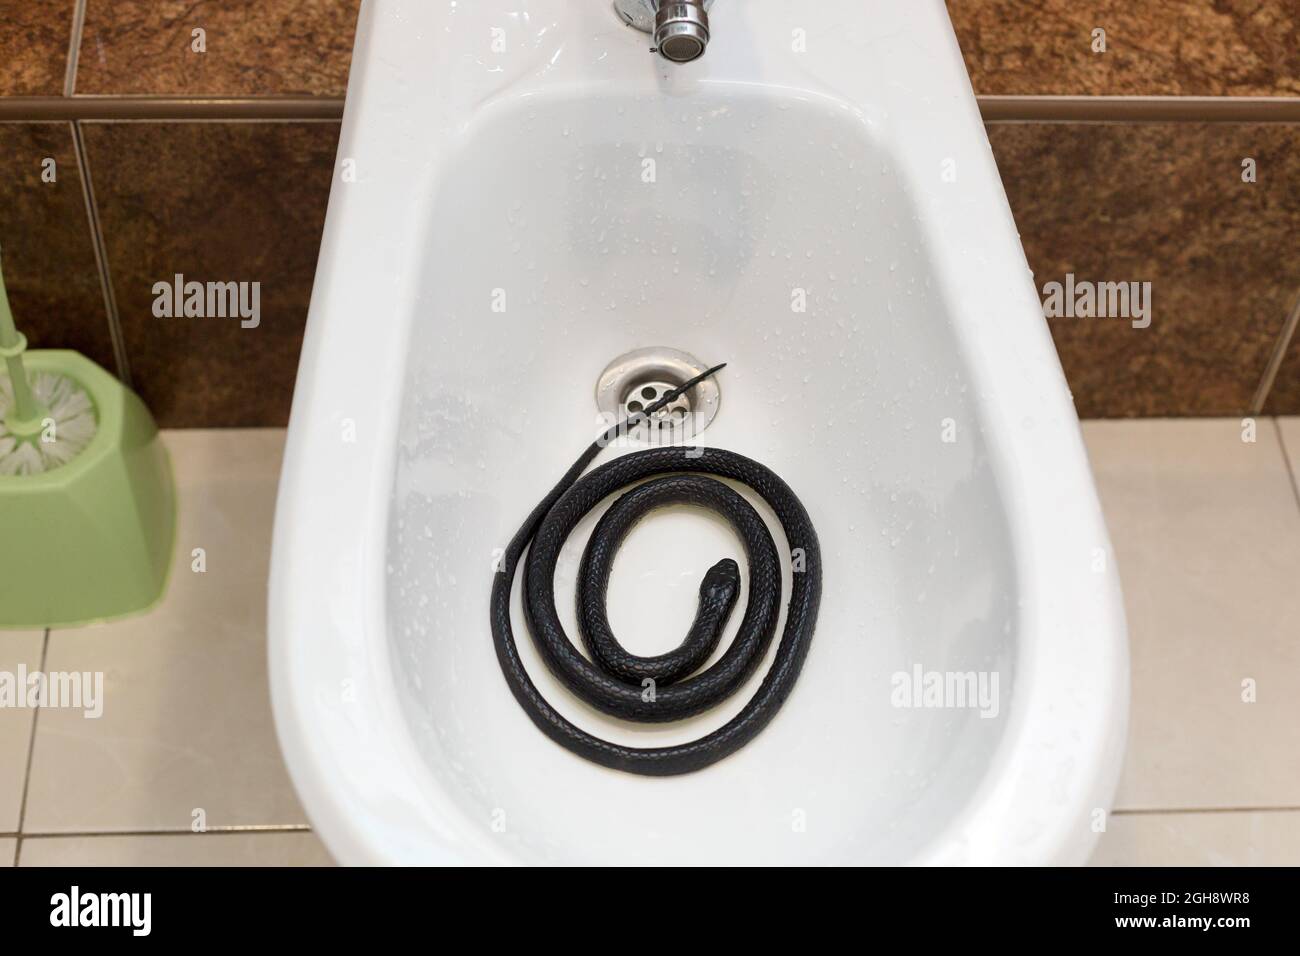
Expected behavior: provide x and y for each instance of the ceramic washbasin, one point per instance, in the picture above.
(525, 193)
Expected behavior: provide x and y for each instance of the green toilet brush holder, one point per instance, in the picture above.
(89, 538)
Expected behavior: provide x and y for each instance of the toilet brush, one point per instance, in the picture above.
(45, 420)
(87, 506)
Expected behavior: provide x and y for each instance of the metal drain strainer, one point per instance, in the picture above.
(635, 380)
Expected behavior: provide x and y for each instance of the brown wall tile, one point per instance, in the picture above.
(49, 256)
(1284, 398)
(1154, 47)
(1165, 204)
(34, 38)
(215, 202)
(254, 47)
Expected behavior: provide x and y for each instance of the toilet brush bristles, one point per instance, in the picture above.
(64, 433)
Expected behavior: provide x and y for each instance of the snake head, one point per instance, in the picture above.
(721, 584)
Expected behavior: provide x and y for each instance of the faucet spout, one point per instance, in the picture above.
(680, 27)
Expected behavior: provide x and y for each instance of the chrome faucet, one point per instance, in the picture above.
(680, 27)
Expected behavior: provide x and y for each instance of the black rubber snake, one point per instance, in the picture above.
(615, 681)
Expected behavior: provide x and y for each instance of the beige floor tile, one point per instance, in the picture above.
(1238, 838)
(18, 649)
(1207, 536)
(7, 848)
(187, 726)
(189, 849)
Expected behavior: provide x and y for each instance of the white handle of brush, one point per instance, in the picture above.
(26, 410)
(8, 331)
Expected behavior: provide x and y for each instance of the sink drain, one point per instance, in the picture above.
(635, 381)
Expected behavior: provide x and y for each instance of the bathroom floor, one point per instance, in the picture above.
(182, 767)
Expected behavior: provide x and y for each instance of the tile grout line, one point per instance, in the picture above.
(101, 257)
(31, 752)
(74, 46)
(162, 108)
(269, 829)
(1278, 356)
(233, 830)
(993, 108)
(1055, 108)
(1286, 459)
(1187, 811)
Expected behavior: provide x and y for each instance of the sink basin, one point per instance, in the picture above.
(526, 193)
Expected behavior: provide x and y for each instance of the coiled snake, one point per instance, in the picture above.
(665, 687)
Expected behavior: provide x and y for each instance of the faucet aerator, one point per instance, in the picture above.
(680, 27)
(681, 31)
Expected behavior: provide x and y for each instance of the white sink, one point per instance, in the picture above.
(492, 243)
